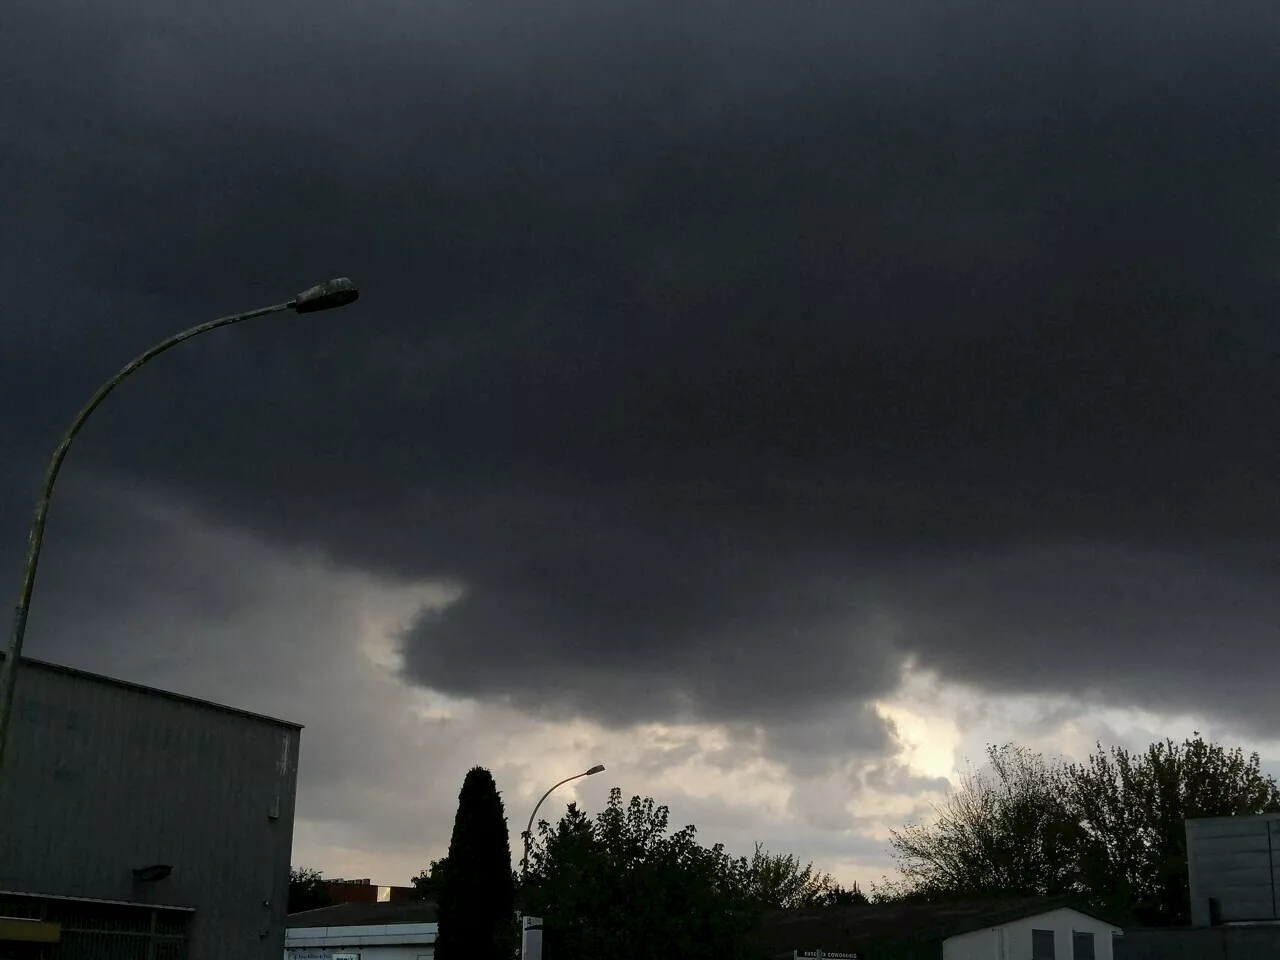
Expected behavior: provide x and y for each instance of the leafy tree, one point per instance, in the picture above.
(775, 881)
(426, 885)
(308, 890)
(1004, 832)
(838, 896)
(1132, 809)
(1109, 830)
(623, 886)
(566, 871)
(476, 895)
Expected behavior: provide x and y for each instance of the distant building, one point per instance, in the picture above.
(404, 930)
(140, 823)
(1037, 928)
(363, 891)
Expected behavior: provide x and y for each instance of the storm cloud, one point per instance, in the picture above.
(726, 359)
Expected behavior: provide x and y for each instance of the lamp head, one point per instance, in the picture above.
(326, 296)
(153, 873)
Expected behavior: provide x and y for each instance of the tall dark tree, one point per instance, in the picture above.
(476, 900)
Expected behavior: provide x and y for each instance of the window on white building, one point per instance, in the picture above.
(1042, 945)
(1082, 946)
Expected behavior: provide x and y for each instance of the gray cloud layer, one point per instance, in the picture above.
(727, 356)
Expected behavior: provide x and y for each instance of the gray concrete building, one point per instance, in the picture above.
(138, 823)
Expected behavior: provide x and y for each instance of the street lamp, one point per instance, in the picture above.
(528, 831)
(323, 296)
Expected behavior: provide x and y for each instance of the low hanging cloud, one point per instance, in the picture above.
(645, 634)
(716, 367)
(168, 600)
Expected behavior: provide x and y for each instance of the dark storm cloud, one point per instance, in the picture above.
(706, 347)
(1186, 626)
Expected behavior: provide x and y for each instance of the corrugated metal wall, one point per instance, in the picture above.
(1234, 861)
(102, 778)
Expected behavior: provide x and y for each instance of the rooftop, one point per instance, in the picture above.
(365, 914)
(28, 663)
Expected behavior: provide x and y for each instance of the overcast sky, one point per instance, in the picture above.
(772, 402)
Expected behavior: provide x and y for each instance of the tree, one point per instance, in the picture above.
(1132, 810)
(1007, 831)
(308, 890)
(838, 896)
(775, 881)
(476, 896)
(1109, 830)
(426, 885)
(623, 886)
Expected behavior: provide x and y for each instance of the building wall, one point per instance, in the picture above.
(392, 941)
(365, 953)
(1217, 943)
(102, 778)
(1236, 861)
(978, 945)
(1015, 938)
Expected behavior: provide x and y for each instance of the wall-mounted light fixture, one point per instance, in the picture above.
(157, 871)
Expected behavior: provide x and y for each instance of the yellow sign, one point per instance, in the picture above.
(29, 931)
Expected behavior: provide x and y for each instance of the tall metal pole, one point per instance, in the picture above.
(528, 830)
(324, 296)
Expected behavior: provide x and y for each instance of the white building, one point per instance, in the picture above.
(398, 930)
(1034, 928)
(1062, 934)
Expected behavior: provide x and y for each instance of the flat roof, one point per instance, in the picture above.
(28, 662)
(1234, 817)
(28, 895)
(365, 914)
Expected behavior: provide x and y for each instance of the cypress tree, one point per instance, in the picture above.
(476, 904)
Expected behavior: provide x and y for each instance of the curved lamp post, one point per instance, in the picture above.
(528, 831)
(323, 296)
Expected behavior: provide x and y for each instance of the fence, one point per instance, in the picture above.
(106, 931)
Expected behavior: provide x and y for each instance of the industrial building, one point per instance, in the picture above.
(390, 930)
(142, 824)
